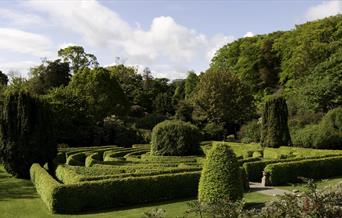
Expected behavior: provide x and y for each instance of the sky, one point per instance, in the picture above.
(169, 37)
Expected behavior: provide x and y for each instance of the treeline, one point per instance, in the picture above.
(304, 65)
(94, 105)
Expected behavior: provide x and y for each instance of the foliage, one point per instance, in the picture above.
(250, 132)
(3, 79)
(274, 128)
(190, 84)
(326, 134)
(48, 75)
(77, 57)
(220, 177)
(26, 133)
(101, 91)
(71, 112)
(223, 98)
(174, 137)
(312, 203)
(214, 131)
(184, 111)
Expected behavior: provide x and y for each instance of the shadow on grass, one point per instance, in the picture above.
(13, 188)
(124, 208)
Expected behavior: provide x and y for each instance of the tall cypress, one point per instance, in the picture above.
(275, 131)
(26, 133)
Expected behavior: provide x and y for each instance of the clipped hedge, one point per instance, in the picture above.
(254, 169)
(45, 184)
(283, 173)
(77, 159)
(175, 138)
(110, 193)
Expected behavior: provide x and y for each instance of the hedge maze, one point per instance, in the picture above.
(92, 178)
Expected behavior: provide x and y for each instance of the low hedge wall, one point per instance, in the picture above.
(282, 173)
(109, 193)
(254, 169)
(45, 184)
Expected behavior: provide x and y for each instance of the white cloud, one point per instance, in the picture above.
(325, 9)
(15, 40)
(20, 18)
(165, 42)
(20, 67)
(249, 34)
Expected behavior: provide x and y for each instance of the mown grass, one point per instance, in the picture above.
(18, 198)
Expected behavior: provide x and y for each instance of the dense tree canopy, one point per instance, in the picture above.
(223, 98)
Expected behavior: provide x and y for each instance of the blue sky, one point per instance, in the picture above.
(170, 37)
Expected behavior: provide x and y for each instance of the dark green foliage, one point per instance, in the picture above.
(26, 133)
(71, 113)
(113, 131)
(175, 138)
(101, 91)
(288, 172)
(190, 84)
(3, 79)
(184, 111)
(327, 134)
(213, 131)
(220, 177)
(48, 75)
(250, 132)
(275, 131)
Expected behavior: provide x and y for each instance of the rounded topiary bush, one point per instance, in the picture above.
(175, 138)
(220, 177)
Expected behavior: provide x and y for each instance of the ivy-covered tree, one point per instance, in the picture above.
(26, 133)
(274, 128)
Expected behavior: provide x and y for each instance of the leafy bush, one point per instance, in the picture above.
(175, 138)
(274, 128)
(288, 172)
(26, 133)
(250, 132)
(220, 177)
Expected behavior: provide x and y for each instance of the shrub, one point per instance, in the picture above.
(220, 177)
(274, 128)
(175, 138)
(26, 133)
(250, 132)
(288, 172)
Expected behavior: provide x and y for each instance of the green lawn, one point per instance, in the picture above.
(18, 198)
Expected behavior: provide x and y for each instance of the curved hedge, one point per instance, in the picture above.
(175, 138)
(221, 176)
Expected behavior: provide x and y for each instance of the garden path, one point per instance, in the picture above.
(268, 190)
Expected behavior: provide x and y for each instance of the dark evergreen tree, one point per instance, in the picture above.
(275, 131)
(26, 133)
(3, 79)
